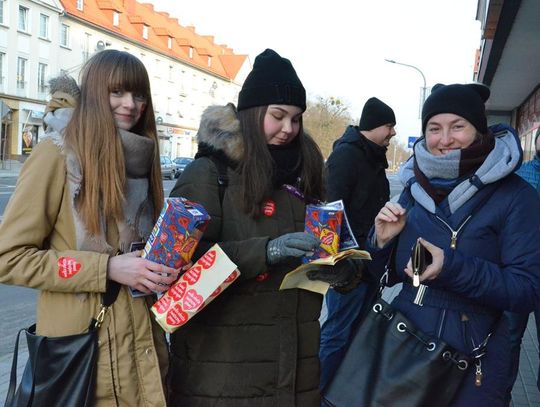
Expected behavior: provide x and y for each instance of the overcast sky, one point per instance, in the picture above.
(338, 47)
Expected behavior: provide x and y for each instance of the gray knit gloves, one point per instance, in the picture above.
(296, 244)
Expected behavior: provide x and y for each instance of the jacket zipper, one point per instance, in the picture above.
(418, 300)
(112, 369)
(453, 239)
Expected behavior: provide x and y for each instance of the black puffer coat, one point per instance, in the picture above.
(253, 345)
(356, 174)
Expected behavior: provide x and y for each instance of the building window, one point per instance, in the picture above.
(145, 32)
(191, 52)
(86, 46)
(209, 62)
(64, 35)
(80, 5)
(116, 18)
(42, 75)
(169, 42)
(2, 58)
(44, 26)
(23, 18)
(2, 21)
(21, 73)
(157, 68)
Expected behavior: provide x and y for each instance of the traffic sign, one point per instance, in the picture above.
(411, 142)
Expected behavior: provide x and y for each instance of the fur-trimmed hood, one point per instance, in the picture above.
(220, 130)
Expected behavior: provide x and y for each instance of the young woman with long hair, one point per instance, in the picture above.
(90, 188)
(254, 345)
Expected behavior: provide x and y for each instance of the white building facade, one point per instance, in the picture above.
(39, 39)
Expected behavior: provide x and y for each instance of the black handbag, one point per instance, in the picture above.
(60, 370)
(391, 363)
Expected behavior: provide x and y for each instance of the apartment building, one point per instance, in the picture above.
(188, 71)
(508, 63)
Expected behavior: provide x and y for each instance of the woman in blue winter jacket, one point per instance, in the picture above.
(480, 223)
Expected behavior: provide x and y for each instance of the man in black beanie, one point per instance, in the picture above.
(356, 174)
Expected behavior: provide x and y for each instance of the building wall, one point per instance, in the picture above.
(180, 91)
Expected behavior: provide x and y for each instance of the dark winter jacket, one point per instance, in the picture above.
(253, 345)
(494, 267)
(356, 174)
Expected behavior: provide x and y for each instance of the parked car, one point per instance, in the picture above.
(181, 163)
(168, 169)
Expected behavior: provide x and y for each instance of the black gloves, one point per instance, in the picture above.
(343, 277)
(289, 245)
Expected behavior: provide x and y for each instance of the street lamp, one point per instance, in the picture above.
(423, 78)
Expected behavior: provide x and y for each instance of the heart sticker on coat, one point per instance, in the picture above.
(192, 300)
(176, 316)
(68, 267)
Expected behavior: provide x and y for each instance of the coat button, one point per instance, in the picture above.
(148, 352)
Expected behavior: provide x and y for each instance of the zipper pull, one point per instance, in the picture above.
(416, 279)
(418, 300)
(479, 374)
(453, 240)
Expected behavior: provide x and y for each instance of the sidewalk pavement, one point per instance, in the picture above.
(10, 168)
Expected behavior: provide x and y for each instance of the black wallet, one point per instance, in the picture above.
(421, 258)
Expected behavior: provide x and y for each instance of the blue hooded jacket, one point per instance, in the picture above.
(489, 230)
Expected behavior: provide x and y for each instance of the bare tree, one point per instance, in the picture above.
(326, 119)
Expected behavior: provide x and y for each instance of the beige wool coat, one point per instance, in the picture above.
(38, 249)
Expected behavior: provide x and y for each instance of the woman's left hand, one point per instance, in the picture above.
(433, 269)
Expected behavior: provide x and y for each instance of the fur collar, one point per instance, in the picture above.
(220, 129)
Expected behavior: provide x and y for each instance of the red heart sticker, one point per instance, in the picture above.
(177, 291)
(269, 208)
(176, 316)
(208, 259)
(216, 292)
(232, 277)
(192, 300)
(192, 275)
(68, 267)
(262, 277)
(163, 304)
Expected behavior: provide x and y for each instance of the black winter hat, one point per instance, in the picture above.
(272, 80)
(466, 101)
(376, 113)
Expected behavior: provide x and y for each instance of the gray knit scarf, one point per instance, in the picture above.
(138, 208)
(500, 162)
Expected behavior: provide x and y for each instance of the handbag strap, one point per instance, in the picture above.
(107, 300)
(13, 376)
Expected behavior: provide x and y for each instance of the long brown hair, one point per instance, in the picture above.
(93, 136)
(256, 168)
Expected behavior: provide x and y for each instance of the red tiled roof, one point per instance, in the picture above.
(134, 15)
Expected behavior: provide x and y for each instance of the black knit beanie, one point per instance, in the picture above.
(466, 101)
(272, 80)
(376, 113)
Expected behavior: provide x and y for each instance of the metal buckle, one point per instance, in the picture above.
(101, 316)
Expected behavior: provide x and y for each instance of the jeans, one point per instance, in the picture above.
(336, 330)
